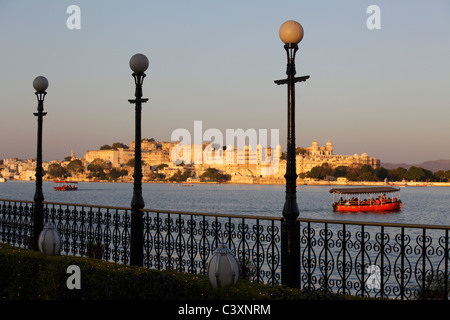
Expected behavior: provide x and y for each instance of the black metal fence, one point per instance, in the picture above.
(360, 258)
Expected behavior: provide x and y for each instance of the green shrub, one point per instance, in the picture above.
(31, 275)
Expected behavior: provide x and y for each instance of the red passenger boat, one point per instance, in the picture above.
(65, 186)
(374, 199)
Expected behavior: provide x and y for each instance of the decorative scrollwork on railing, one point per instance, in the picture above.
(82, 234)
(273, 254)
(258, 252)
(74, 232)
(204, 244)
(402, 265)
(243, 251)
(64, 228)
(148, 241)
(344, 261)
(423, 270)
(107, 236)
(218, 236)
(26, 227)
(180, 244)
(126, 225)
(363, 246)
(19, 225)
(326, 259)
(192, 245)
(117, 237)
(442, 281)
(229, 235)
(383, 262)
(158, 241)
(169, 242)
(308, 257)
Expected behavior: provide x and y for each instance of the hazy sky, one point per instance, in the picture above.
(383, 91)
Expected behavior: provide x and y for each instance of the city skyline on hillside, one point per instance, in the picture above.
(433, 165)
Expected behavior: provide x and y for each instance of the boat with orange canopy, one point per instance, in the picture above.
(65, 185)
(366, 199)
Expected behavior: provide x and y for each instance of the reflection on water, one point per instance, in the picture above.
(421, 205)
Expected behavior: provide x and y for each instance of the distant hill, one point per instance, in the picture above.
(433, 166)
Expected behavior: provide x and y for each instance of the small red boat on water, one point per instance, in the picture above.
(374, 199)
(65, 185)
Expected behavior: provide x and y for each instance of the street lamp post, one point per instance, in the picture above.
(291, 33)
(40, 84)
(138, 63)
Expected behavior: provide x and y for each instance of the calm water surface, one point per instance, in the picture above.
(421, 205)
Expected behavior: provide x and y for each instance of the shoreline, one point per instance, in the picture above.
(257, 181)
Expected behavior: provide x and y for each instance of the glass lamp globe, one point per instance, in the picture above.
(291, 32)
(40, 84)
(49, 241)
(223, 269)
(139, 63)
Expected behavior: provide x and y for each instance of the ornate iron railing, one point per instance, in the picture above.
(401, 261)
(185, 241)
(378, 260)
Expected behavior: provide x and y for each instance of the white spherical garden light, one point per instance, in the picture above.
(49, 241)
(223, 269)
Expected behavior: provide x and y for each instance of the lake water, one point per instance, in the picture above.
(421, 205)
